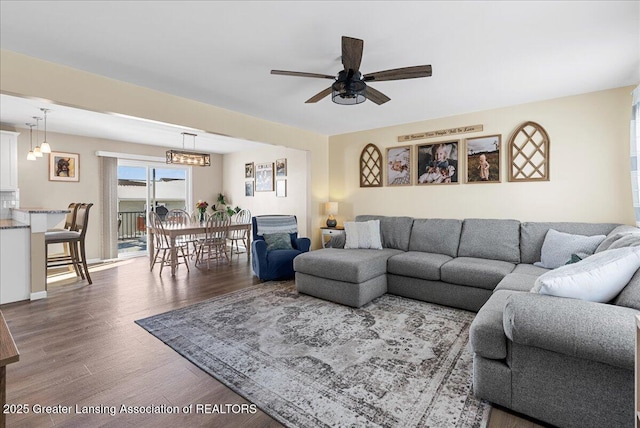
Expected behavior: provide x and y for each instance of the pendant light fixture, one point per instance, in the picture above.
(37, 151)
(30, 156)
(45, 147)
(183, 157)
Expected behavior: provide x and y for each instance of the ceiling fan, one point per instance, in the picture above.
(349, 85)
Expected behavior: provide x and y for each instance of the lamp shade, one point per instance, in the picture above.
(331, 208)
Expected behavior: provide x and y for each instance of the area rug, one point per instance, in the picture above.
(307, 362)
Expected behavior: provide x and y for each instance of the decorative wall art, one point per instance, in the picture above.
(264, 177)
(248, 170)
(398, 166)
(437, 162)
(281, 188)
(529, 153)
(64, 166)
(371, 166)
(248, 188)
(483, 159)
(440, 133)
(281, 167)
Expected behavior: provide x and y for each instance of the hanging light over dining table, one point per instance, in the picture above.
(184, 157)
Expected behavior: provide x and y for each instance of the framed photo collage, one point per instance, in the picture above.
(470, 160)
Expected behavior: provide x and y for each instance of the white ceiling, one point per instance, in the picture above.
(484, 54)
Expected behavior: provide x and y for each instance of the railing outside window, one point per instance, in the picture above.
(131, 224)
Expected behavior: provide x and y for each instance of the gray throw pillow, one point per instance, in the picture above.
(626, 240)
(277, 241)
(558, 247)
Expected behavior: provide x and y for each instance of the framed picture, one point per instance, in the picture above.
(64, 166)
(248, 170)
(483, 159)
(399, 166)
(438, 162)
(264, 177)
(281, 167)
(281, 188)
(248, 188)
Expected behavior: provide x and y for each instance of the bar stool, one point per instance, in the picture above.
(69, 224)
(75, 238)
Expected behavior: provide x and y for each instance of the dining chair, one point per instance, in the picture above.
(75, 238)
(177, 217)
(236, 236)
(163, 246)
(214, 245)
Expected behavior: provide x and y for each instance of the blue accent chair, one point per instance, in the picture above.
(275, 264)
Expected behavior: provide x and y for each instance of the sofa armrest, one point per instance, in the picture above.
(486, 334)
(259, 255)
(581, 329)
(303, 244)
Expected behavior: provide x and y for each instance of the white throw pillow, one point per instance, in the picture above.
(363, 234)
(598, 278)
(558, 247)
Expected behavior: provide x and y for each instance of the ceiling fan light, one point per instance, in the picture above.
(348, 92)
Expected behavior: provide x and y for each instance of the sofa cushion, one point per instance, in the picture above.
(436, 235)
(527, 269)
(532, 235)
(417, 264)
(630, 294)
(490, 239)
(486, 334)
(349, 265)
(363, 234)
(517, 282)
(395, 231)
(475, 272)
(558, 248)
(598, 278)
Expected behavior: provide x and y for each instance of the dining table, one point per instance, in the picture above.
(173, 231)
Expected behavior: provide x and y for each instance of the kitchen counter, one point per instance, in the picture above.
(41, 210)
(24, 264)
(12, 224)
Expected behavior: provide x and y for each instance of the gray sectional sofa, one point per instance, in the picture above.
(563, 361)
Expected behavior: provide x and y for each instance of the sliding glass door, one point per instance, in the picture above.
(144, 187)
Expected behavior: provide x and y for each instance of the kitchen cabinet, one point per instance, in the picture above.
(8, 160)
(15, 253)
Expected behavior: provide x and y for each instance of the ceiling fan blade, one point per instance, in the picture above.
(376, 96)
(351, 53)
(399, 73)
(320, 95)
(302, 74)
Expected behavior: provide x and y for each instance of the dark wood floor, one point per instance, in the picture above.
(80, 346)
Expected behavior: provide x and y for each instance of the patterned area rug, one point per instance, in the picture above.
(306, 362)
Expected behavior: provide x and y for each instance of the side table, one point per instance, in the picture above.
(329, 232)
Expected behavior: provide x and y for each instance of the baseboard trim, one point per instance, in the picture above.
(39, 295)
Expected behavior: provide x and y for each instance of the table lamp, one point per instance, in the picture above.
(331, 209)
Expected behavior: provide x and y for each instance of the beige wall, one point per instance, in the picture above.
(590, 176)
(26, 76)
(37, 191)
(296, 201)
